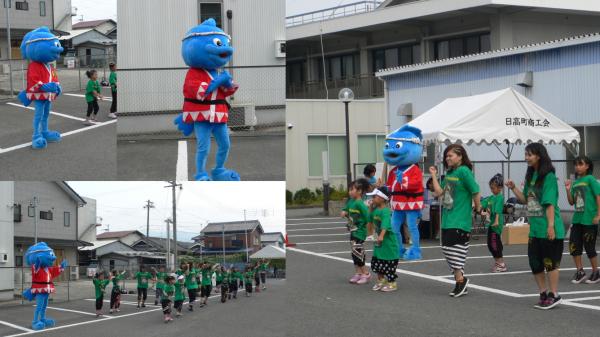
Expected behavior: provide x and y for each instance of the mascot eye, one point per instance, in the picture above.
(57, 44)
(387, 146)
(218, 42)
(398, 145)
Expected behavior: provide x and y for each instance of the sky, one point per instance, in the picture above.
(95, 9)
(293, 7)
(120, 205)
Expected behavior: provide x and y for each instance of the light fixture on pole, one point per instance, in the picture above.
(346, 95)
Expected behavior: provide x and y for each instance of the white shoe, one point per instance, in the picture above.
(112, 115)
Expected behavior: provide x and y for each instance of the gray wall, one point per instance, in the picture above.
(87, 218)
(6, 239)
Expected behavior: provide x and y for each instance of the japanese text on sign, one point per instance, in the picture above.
(516, 121)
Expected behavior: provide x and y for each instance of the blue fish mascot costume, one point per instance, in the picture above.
(403, 150)
(41, 48)
(41, 259)
(206, 49)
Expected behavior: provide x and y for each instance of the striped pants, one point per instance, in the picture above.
(455, 246)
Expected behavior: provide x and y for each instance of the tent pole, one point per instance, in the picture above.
(509, 153)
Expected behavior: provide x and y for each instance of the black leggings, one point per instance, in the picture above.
(358, 251)
(113, 106)
(583, 236)
(142, 293)
(233, 288)
(263, 277)
(99, 302)
(166, 306)
(494, 243)
(249, 287)
(192, 294)
(93, 107)
(115, 298)
(257, 279)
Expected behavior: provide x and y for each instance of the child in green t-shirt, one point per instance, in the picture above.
(92, 94)
(115, 295)
(142, 278)
(112, 80)
(191, 284)
(494, 206)
(357, 214)
(206, 286)
(99, 286)
(166, 297)
(224, 276)
(263, 268)
(159, 279)
(179, 294)
(248, 277)
(236, 281)
(546, 228)
(584, 194)
(385, 251)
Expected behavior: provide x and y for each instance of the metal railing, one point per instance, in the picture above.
(332, 12)
(364, 86)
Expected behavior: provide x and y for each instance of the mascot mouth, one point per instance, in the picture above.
(223, 55)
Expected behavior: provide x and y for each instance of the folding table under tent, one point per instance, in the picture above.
(503, 116)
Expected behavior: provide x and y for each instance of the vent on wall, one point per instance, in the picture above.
(279, 48)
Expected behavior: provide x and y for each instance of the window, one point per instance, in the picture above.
(460, 46)
(336, 148)
(338, 67)
(67, 219)
(18, 261)
(42, 8)
(22, 6)
(46, 215)
(17, 213)
(295, 72)
(590, 146)
(370, 151)
(211, 10)
(396, 56)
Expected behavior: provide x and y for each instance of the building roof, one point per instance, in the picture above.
(161, 243)
(97, 244)
(231, 226)
(269, 252)
(71, 192)
(553, 44)
(271, 237)
(116, 234)
(91, 24)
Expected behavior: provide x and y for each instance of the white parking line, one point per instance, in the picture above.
(319, 242)
(507, 273)
(80, 95)
(577, 292)
(314, 229)
(16, 147)
(369, 250)
(18, 327)
(71, 310)
(51, 112)
(583, 298)
(181, 172)
(124, 302)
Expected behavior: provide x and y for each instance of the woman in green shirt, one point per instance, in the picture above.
(584, 194)
(159, 278)
(546, 229)
(142, 277)
(385, 251)
(458, 191)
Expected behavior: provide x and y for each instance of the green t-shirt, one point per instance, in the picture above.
(179, 294)
(495, 205)
(116, 279)
(99, 286)
(238, 276)
(160, 280)
(584, 192)
(168, 292)
(112, 79)
(220, 276)
(142, 279)
(358, 216)
(538, 199)
(248, 276)
(388, 250)
(90, 88)
(207, 276)
(190, 279)
(459, 185)
(264, 267)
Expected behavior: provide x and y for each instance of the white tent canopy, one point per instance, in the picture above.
(494, 118)
(269, 252)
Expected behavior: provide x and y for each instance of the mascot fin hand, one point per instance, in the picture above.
(58, 89)
(28, 295)
(50, 87)
(63, 264)
(23, 98)
(222, 80)
(185, 128)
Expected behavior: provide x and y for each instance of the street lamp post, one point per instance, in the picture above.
(346, 95)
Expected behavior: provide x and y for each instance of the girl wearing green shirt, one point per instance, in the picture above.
(206, 288)
(191, 284)
(248, 277)
(99, 287)
(142, 277)
(236, 279)
(263, 268)
(584, 194)
(159, 278)
(115, 295)
(494, 206)
(92, 94)
(166, 297)
(179, 294)
(357, 213)
(385, 251)
(546, 229)
(458, 191)
(112, 79)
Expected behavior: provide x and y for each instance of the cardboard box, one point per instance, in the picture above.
(515, 235)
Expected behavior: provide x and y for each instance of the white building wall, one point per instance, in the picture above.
(6, 239)
(321, 117)
(86, 221)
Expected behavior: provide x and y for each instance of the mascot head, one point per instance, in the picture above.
(40, 255)
(403, 147)
(41, 46)
(206, 46)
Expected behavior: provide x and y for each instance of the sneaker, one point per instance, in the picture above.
(542, 301)
(166, 319)
(364, 279)
(190, 308)
(355, 278)
(88, 122)
(155, 302)
(178, 314)
(390, 287)
(499, 268)
(138, 306)
(461, 287)
(143, 305)
(578, 277)
(110, 311)
(378, 285)
(453, 290)
(118, 310)
(112, 115)
(551, 302)
(594, 278)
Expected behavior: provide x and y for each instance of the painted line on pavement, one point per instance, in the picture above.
(51, 112)
(181, 172)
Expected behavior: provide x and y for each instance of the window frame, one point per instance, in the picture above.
(463, 38)
(48, 215)
(43, 7)
(219, 20)
(65, 217)
(328, 151)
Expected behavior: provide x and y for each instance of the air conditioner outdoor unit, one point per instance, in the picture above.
(74, 271)
(280, 48)
(242, 116)
(5, 69)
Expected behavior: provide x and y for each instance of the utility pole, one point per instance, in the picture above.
(149, 204)
(173, 185)
(223, 238)
(246, 232)
(35, 227)
(7, 5)
(168, 253)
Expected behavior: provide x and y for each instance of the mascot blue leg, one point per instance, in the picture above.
(220, 173)
(49, 136)
(39, 313)
(37, 140)
(397, 221)
(202, 130)
(48, 322)
(414, 252)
